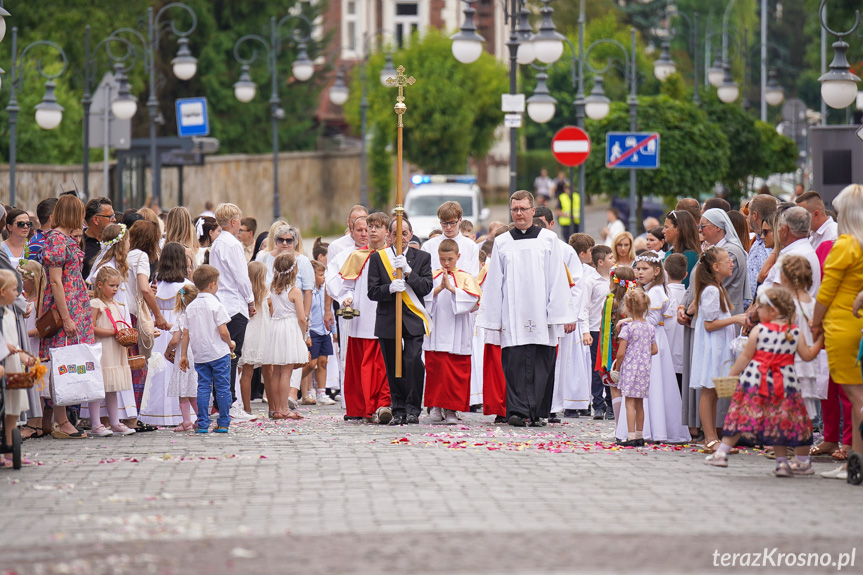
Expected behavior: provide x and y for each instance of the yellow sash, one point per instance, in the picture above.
(409, 297)
(355, 263)
(462, 280)
(482, 273)
(569, 276)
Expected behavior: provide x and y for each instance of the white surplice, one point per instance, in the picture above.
(468, 253)
(451, 317)
(526, 292)
(571, 382)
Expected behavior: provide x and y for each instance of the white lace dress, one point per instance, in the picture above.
(182, 383)
(286, 345)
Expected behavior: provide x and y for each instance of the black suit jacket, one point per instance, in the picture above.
(420, 280)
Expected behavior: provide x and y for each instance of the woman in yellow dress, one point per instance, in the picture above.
(837, 306)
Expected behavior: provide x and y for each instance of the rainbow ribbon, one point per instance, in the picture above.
(603, 358)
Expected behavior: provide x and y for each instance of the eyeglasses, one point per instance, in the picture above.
(520, 210)
(23, 225)
(763, 233)
(109, 216)
(288, 241)
(449, 224)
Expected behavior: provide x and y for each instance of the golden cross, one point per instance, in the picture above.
(401, 81)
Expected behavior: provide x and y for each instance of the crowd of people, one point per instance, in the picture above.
(517, 324)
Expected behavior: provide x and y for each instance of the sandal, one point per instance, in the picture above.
(711, 447)
(292, 415)
(143, 427)
(819, 449)
(839, 455)
(37, 433)
(59, 434)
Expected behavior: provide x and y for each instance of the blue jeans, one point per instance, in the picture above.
(214, 375)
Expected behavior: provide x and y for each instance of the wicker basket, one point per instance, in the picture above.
(137, 361)
(725, 386)
(25, 379)
(126, 336)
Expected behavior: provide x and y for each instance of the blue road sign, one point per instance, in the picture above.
(632, 150)
(192, 118)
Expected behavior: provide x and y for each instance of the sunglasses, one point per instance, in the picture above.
(288, 241)
(23, 225)
(763, 233)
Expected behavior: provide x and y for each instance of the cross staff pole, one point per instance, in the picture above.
(401, 81)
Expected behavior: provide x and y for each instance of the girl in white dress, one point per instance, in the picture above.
(116, 373)
(17, 401)
(183, 384)
(257, 337)
(662, 406)
(796, 274)
(713, 335)
(287, 348)
(159, 407)
(115, 251)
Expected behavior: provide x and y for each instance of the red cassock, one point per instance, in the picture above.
(447, 381)
(493, 383)
(366, 387)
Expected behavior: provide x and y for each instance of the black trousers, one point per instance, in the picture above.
(237, 330)
(599, 391)
(406, 392)
(529, 374)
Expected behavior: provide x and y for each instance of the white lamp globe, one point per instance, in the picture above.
(466, 51)
(547, 51)
(124, 108)
(728, 92)
(839, 94)
(2, 28)
(49, 119)
(526, 52)
(184, 64)
(662, 70)
(715, 75)
(774, 96)
(541, 112)
(245, 92)
(302, 69)
(597, 110)
(338, 95)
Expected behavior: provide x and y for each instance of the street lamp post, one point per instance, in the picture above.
(123, 106)
(302, 69)
(665, 66)
(546, 46)
(839, 84)
(49, 113)
(339, 95)
(184, 66)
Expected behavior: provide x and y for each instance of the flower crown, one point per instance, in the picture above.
(646, 257)
(26, 274)
(287, 271)
(120, 236)
(628, 284)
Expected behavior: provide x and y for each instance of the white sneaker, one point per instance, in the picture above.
(101, 431)
(122, 430)
(436, 415)
(838, 473)
(338, 397)
(324, 399)
(239, 415)
(451, 418)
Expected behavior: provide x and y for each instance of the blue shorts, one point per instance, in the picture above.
(322, 345)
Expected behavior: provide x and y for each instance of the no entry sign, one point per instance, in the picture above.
(571, 146)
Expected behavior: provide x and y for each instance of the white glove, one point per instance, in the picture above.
(402, 263)
(397, 286)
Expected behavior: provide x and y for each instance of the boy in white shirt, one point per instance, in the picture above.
(601, 262)
(675, 268)
(448, 349)
(212, 348)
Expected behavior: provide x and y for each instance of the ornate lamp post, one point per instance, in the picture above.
(839, 84)
(49, 113)
(339, 95)
(545, 46)
(302, 69)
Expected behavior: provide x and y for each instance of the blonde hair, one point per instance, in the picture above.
(8, 278)
(258, 277)
(849, 209)
(185, 296)
(798, 271)
(118, 251)
(704, 277)
(33, 271)
(284, 273)
(780, 299)
(179, 228)
(636, 302)
(227, 212)
(104, 274)
(271, 236)
(619, 238)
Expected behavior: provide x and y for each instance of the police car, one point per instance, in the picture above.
(427, 193)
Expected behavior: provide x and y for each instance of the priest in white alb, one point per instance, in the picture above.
(526, 297)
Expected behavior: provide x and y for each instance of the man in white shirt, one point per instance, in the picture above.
(349, 240)
(824, 228)
(235, 291)
(615, 226)
(450, 214)
(793, 233)
(544, 187)
(526, 298)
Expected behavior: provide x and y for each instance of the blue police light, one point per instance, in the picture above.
(420, 179)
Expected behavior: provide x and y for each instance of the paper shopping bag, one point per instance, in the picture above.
(76, 374)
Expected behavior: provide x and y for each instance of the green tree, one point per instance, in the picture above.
(747, 154)
(779, 152)
(380, 168)
(694, 151)
(452, 111)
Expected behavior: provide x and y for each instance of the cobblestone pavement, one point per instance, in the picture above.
(325, 496)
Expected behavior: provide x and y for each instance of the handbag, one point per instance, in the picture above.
(146, 325)
(76, 374)
(126, 336)
(49, 324)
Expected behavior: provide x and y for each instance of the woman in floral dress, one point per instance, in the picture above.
(66, 292)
